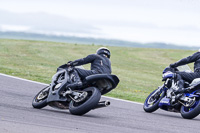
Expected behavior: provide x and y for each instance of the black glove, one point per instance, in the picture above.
(69, 63)
(172, 65)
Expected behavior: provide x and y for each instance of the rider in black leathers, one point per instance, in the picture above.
(185, 76)
(100, 64)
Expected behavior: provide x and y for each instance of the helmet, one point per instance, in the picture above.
(103, 50)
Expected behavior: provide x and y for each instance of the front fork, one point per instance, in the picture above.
(155, 95)
(161, 89)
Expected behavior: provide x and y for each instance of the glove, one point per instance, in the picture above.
(69, 63)
(172, 65)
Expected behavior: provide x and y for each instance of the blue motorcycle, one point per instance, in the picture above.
(188, 104)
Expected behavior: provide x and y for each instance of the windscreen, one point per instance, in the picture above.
(184, 68)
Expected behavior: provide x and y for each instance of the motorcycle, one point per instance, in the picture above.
(78, 101)
(188, 103)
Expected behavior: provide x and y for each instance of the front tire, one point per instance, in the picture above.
(91, 102)
(40, 100)
(155, 101)
(191, 112)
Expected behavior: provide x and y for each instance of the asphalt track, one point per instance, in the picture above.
(18, 116)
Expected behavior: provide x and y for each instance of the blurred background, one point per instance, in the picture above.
(139, 23)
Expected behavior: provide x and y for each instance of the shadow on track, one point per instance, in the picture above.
(66, 112)
(172, 116)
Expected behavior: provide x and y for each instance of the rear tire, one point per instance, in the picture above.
(190, 113)
(40, 100)
(151, 108)
(86, 106)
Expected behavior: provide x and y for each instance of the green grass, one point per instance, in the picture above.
(139, 69)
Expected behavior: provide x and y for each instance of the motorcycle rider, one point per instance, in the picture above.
(100, 64)
(185, 76)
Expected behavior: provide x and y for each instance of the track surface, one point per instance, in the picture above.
(17, 115)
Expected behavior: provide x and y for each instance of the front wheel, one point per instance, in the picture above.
(40, 100)
(152, 101)
(191, 112)
(91, 101)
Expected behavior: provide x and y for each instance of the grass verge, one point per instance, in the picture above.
(139, 69)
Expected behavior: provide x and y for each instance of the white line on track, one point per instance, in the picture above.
(47, 84)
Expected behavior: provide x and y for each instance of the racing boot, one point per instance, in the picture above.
(76, 82)
(180, 91)
(181, 88)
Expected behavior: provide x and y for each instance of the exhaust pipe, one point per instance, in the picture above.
(102, 104)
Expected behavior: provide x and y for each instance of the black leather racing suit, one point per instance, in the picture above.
(100, 64)
(184, 76)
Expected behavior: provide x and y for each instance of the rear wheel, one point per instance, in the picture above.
(90, 102)
(152, 101)
(40, 100)
(191, 111)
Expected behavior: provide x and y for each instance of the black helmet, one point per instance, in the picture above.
(103, 50)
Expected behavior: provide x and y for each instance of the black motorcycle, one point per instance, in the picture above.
(78, 101)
